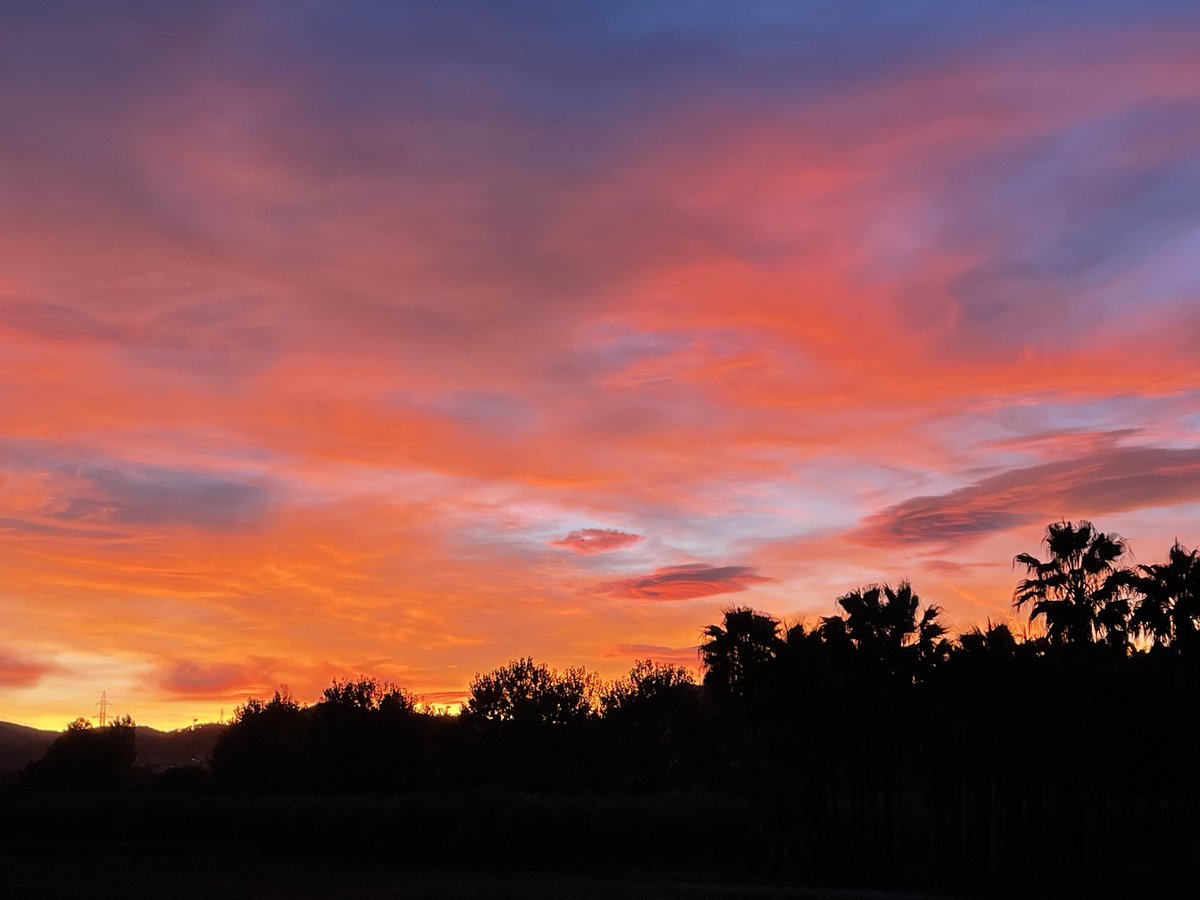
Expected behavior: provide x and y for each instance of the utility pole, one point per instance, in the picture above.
(103, 704)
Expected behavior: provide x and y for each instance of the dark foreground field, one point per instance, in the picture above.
(131, 876)
(488, 843)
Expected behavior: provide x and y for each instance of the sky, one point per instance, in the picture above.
(408, 339)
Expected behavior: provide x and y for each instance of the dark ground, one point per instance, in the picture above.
(131, 876)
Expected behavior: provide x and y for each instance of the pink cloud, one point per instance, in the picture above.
(596, 540)
(686, 582)
(215, 679)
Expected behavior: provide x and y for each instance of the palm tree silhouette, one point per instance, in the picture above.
(882, 622)
(737, 653)
(1168, 607)
(1081, 591)
(997, 640)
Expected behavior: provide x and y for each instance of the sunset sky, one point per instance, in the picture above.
(408, 338)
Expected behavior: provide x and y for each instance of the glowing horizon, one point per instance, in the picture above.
(362, 340)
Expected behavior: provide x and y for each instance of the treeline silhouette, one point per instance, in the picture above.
(870, 747)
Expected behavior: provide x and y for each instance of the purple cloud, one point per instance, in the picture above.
(1110, 480)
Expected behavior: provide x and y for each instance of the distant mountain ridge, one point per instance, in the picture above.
(21, 744)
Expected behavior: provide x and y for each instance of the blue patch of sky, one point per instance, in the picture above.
(918, 17)
(579, 42)
(585, 68)
(579, 74)
(1167, 279)
(1075, 212)
(1085, 209)
(736, 514)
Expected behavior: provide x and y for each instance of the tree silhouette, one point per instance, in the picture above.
(369, 695)
(737, 654)
(264, 748)
(997, 641)
(654, 727)
(529, 726)
(1081, 591)
(364, 738)
(1168, 606)
(648, 685)
(83, 757)
(888, 626)
(533, 693)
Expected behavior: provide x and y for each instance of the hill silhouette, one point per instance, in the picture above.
(21, 745)
(156, 749)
